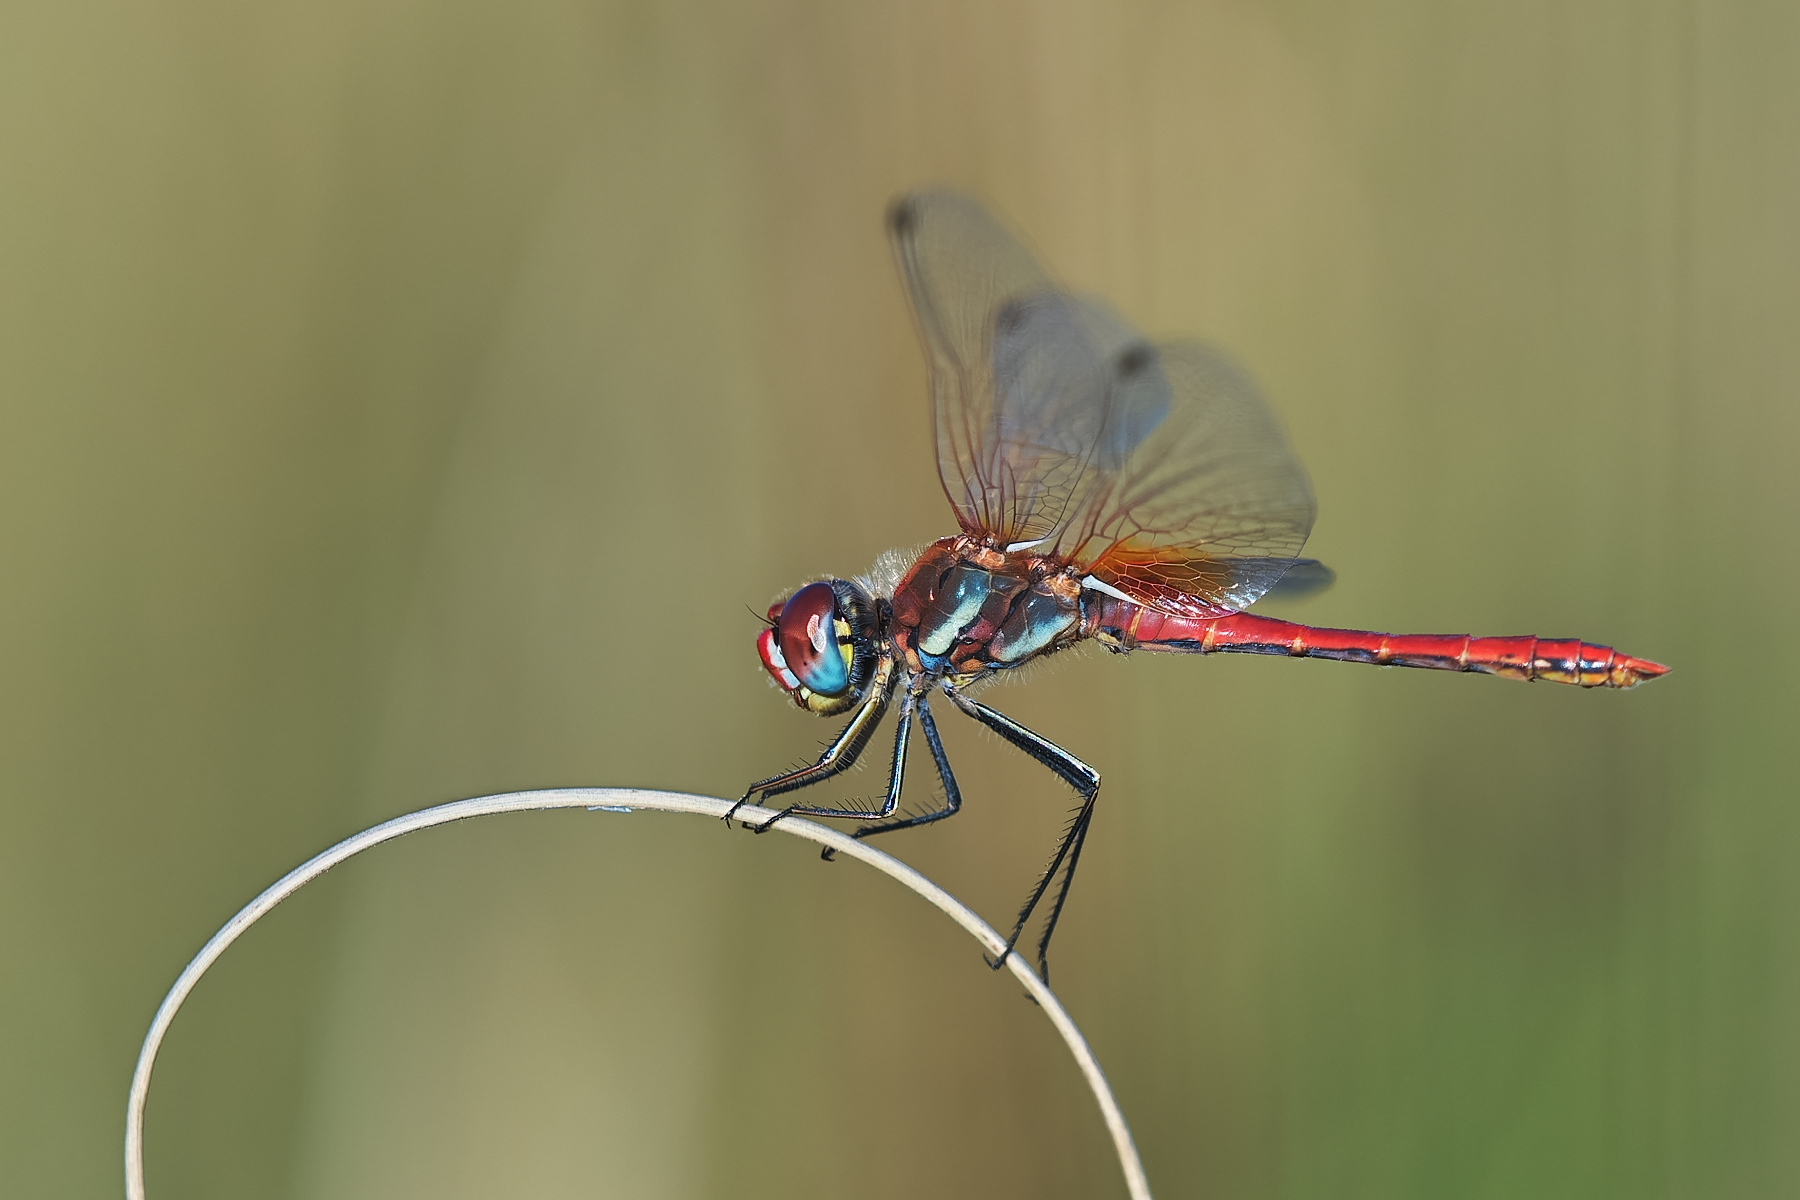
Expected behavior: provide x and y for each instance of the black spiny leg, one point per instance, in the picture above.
(952, 794)
(894, 780)
(839, 757)
(1072, 771)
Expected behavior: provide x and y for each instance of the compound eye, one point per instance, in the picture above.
(807, 634)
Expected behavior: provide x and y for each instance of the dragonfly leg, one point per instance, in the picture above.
(952, 794)
(1078, 775)
(839, 757)
(901, 736)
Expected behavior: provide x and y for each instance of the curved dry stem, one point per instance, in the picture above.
(625, 800)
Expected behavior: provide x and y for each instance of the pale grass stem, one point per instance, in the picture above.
(613, 799)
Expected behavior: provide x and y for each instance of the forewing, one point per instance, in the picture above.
(1023, 377)
(1209, 508)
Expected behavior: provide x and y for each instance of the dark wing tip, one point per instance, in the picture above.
(1009, 318)
(1135, 358)
(903, 216)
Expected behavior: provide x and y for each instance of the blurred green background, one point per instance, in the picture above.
(403, 401)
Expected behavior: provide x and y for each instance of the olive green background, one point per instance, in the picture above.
(403, 401)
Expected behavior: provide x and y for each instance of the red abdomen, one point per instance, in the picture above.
(1126, 626)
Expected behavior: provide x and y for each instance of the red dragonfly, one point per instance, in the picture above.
(1140, 494)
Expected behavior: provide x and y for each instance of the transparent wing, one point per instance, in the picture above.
(1022, 373)
(1158, 469)
(1210, 507)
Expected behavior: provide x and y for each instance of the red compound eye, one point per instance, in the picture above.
(806, 632)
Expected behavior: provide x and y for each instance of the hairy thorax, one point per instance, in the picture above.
(965, 608)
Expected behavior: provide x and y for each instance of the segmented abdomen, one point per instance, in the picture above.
(1126, 626)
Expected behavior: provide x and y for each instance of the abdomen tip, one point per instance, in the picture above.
(1632, 671)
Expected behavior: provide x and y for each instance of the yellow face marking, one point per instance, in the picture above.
(817, 632)
(846, 645)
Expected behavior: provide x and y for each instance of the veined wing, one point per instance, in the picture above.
(1022, 373)
(1158, 469)
(1210, 508)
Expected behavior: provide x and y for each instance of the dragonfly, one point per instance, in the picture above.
(1107, 488)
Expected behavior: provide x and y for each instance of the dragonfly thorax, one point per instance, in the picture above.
(965, 609)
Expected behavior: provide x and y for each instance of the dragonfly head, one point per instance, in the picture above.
(820, 645)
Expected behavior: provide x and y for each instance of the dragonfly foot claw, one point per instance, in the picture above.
(768, 824)
(732, 811)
